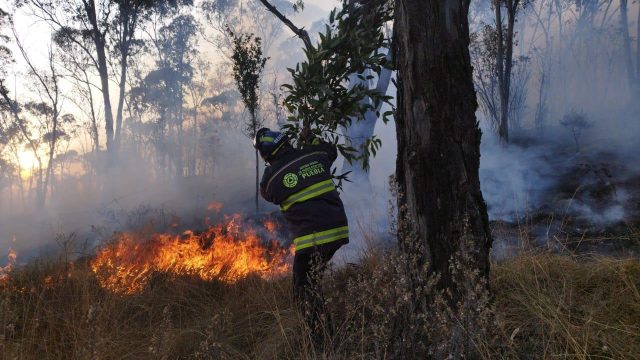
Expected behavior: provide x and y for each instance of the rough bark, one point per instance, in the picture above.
(438, 135)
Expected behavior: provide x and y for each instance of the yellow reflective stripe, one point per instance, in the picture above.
(278, 148)
(320, 238)
(266, 139)
(308, 193)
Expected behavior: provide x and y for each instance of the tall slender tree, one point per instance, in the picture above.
(504, 58)
(248, 64)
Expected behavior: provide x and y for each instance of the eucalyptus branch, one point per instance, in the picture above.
(300, 32)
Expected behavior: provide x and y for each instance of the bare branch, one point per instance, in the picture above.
(300, 32)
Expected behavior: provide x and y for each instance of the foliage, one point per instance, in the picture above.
(248, 64)
(319, 97)
(162, 88)
(5, 52)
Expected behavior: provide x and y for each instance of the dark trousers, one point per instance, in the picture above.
(307, 293)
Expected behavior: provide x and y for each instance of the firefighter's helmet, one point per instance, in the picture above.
(269, 142)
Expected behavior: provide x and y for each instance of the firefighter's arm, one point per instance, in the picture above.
(329, 148)
(263, 183)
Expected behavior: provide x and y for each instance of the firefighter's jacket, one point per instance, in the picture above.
(300, 182)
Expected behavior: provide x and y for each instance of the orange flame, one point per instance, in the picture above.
(225, 252)
(215, 206)
(12, 256)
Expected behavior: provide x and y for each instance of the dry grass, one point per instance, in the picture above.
(557, 306)
(546, 306)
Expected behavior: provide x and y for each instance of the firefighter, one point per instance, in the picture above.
(300, 182)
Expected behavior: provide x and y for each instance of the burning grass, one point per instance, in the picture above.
(546, 306)
(226, 252)
(225, 293)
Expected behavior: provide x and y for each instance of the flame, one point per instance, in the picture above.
(226, 252)
(271, 226)
(12, 256)
(215, 206)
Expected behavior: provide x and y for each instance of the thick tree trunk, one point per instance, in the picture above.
(438, 134)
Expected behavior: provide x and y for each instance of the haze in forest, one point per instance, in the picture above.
(572, 110)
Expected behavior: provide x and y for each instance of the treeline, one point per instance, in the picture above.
(122, 80)
(540, 62)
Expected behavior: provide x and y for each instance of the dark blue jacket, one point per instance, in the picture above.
(300, 182)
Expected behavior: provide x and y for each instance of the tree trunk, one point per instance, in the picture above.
(626, 43)
(503, 129)
(129, 19)
(359, 131)
(52, 150)
(438, 135)
(123, 81)
(638, 47)
(103, 70)
(95, 137)
(512, 11)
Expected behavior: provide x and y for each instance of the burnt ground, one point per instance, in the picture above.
(590, 204)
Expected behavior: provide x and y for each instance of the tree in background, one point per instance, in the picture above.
(85, 23)
(484, 52)
(106, 32)
(8, 130)
(633, 72)
(504, 57)
(164, 87)
(48, 111)
(248, 64)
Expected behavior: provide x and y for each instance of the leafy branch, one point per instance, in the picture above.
(319, 97)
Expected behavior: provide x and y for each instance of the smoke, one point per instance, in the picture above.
(540, 173)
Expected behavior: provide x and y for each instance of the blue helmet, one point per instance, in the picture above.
(269, 143)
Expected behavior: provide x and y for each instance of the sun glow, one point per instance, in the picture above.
(27, 162)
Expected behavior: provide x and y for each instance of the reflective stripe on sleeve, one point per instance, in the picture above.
(308, 193)
(320, 238)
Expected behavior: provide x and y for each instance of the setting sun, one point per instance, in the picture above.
(27, 163)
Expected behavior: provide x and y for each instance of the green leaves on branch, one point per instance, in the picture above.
(320, 97)
(248, 64)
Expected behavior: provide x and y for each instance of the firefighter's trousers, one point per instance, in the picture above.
(307, 272)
